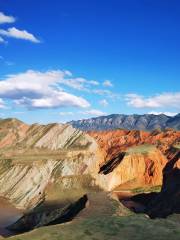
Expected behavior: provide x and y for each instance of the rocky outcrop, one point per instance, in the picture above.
(130, 158)
(24, 184)
(116, 141)
(167, 201)
(140, 167)
(11, 130)
(43, 155)
(59, 215)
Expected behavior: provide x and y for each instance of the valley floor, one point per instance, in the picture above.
(105, 219)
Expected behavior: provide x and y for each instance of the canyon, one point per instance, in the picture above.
(55, 172)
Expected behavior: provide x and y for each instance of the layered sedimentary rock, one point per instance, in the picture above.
(41, 155)
(113, 142)
(139, 167)
(11, 130)
(134, 158)
(34, 158)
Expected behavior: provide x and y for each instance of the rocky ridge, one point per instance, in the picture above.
(147, 122)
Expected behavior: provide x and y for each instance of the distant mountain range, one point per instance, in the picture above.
(146, 122)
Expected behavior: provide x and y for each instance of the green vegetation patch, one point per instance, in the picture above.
(147, 189)
(143, 149)
(136, 227)
(177, 146)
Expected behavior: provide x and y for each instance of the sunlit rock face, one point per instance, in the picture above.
(115, 141)
(41, 155)
(140, 167)
(139, 157)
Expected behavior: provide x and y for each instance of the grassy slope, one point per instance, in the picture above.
(142, 149)
(100, 221)
(112, 227)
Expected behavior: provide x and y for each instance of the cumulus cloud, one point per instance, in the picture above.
(59, 99)
(171, 114)
(104, 102)
(19, 34)
(35, 89)
(107, 83)
(157, 101)
(6, 19)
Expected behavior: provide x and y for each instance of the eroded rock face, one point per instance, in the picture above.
(24, 184)
(116, 141)
(131, 155)
(138, 168)
(38, 156)
(41, 155)
(167, 201)
(11, 130)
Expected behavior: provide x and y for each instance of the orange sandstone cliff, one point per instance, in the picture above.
(135, 158)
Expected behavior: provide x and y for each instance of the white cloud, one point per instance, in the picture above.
(35, 89)
(66, 113)
(58, 99)
(102, 92)
(2, 40)
(95, 83)
(106, 93)
(19, 34)
(6, 19)
(2, 104)
(93, 112)
(157, 101)
(107, 83)
(171, 114)
(104, 102)
(78, 83)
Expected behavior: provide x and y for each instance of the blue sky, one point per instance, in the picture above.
(63, 60)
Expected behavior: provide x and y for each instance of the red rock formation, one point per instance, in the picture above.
(130, 166)
(11, 130)
(115, 141)
(138, 168)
